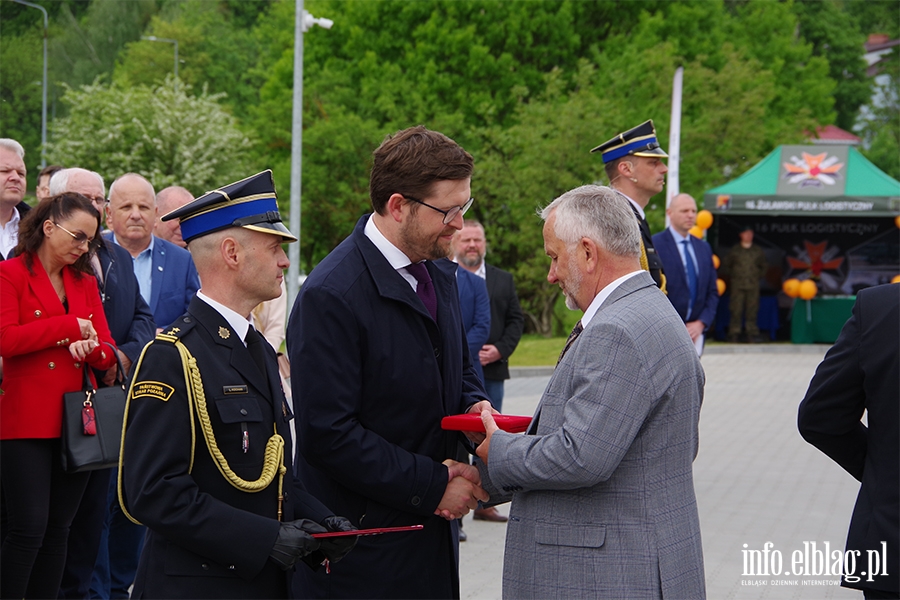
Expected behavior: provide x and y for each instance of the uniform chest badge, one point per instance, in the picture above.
(152, 389)
(224, 333)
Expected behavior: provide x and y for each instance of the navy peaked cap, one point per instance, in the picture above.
(637, 141)
(250, 203)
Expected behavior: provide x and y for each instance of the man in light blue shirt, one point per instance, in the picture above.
(165, 272)
(690, 274)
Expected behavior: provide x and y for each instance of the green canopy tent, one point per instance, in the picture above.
(810, 181)
(818, 211)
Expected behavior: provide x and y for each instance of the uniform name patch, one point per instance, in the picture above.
(152, 389)
(235, 389)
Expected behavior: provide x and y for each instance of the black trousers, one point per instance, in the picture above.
(41, 501)
(84, 536)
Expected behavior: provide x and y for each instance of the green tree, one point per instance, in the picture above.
(85, 46)
(529, 88)
(835, 36)
(171, 137)
(546, 152)
(876, 16)
(216, 46)
(880, 124)
(20, 95)
(337, 157)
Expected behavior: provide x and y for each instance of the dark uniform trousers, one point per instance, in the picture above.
(207, 538)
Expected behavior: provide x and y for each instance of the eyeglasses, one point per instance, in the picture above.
(80, 238)
(99, 200)
(449, 214)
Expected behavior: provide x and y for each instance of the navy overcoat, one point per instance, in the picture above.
(373, 375)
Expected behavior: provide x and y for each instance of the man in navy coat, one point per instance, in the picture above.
(378, 358)
(693, 294)
(859, 375)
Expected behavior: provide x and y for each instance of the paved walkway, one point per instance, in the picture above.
(757, 481)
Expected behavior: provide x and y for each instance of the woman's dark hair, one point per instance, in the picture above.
(56, 209)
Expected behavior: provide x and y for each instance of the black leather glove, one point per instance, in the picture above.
(295, 541)
(336, 548)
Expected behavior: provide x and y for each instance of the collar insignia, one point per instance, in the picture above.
(224, 333)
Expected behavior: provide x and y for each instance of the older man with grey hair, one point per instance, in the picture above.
(602, 489)
(82, 181)
(12, 194)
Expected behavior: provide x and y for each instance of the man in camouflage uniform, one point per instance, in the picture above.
(745, 264)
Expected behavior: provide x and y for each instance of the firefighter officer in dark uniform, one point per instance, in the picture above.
(206, 461)
(633, 163)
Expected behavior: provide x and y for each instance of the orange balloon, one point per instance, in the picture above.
(696, 232)
(808, 289)
(791, 287)
(896, 279)
(716, 261)
(721, 285)
(704, 219)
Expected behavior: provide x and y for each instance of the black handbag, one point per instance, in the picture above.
(92, 424)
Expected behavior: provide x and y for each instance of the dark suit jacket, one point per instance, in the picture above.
(861, 373)
(173, 281)
(476, 313)
(373, 375)
(23, 208)
(129, 318)
(507, 321)
(35, 333)
(654, 264)
(676, 278)
(207, 539)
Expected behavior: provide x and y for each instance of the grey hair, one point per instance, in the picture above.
(13, 146)
(59, 182)
(598, 213)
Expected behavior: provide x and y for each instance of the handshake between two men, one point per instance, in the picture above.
(295, 540)
(464, 489)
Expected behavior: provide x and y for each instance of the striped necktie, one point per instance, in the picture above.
(576, 331)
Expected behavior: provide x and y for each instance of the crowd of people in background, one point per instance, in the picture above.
(386, 337)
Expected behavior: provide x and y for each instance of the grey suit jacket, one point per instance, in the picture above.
(603, 501)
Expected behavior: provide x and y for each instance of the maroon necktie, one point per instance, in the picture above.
(424, 287)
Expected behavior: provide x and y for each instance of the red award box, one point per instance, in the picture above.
(510, 423)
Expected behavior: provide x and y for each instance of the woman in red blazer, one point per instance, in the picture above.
(51, 323)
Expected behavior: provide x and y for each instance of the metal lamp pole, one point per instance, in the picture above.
(153, 38)
(302, 22)
(43, 85)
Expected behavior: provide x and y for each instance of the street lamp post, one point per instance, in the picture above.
(43, 86)
(302, 22)
(153, 38)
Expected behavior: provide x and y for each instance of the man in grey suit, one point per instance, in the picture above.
(601, 485)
